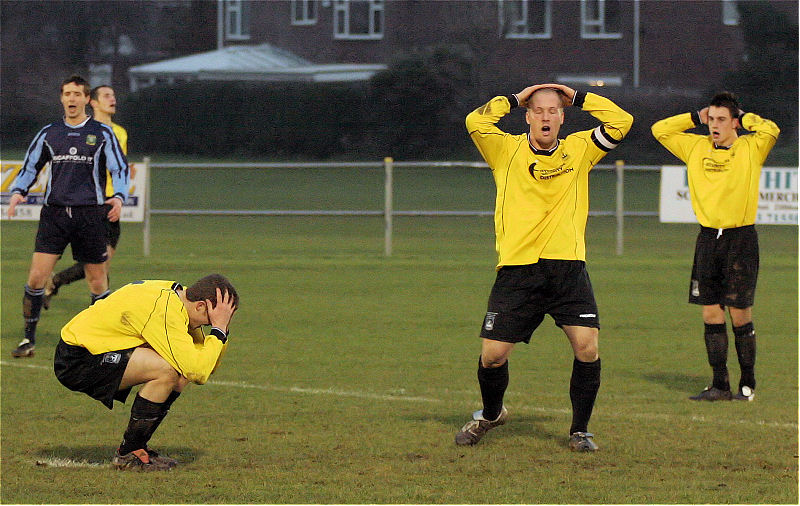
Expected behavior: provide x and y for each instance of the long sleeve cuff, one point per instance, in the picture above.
(696, 118)
(219, 334)
(513, 100)
(579, 98)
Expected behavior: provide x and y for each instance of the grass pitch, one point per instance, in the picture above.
(349, 373)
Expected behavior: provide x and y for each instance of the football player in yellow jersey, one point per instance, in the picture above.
(146, 333)
(540, 217)
(104, 106)
(723, 169)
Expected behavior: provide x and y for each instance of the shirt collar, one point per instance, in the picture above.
(545, 152)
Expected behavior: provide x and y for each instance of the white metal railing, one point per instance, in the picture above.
(388, 212)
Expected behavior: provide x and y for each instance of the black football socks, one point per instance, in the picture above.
(583, 387)
(493, 382)
(31, 310)
(145, 417)
(745, 341)
(69, 275)
(716, 338)
(103, 295)
(164, 411)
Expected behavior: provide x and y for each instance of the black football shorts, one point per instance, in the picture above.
(725, 267)
(84, 227)
(113, 229)
(98, 376)
(523, 294)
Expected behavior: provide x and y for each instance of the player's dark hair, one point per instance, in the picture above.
(78, 80)
(206, 289)
(727, 100)
(93, 94)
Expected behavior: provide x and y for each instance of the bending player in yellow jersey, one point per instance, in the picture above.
(104, 106)
(724, 171)
(146, 333)
(540, 217)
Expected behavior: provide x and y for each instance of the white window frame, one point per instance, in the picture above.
(241, 30)
(523, 31)
(730, 14)
(376, 9)
(304, 12)
(599, 22)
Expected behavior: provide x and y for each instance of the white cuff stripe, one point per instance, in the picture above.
(601, 137)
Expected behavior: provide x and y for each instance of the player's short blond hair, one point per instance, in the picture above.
(558, 93)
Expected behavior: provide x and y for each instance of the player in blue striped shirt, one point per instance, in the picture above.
(82, 152)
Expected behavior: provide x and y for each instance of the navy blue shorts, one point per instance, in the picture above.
(523, 294)
(725, 269)
(98, 376)
(84, 227)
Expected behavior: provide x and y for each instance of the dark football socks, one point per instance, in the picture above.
(716, 338)
(103, 295)
(145, 417)
(493, 382)
(69, 275)
(31, 310)
(745, 341)
(164, 411)
(583, 387)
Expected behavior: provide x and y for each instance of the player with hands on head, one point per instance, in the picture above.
(723, 170)
(541, 211)
(147, 333)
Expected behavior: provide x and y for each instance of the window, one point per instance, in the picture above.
(526, 19)
(730, 13)
(237, 19)
(600, 19)
(358, 19)
(100, 73)
(304, 12)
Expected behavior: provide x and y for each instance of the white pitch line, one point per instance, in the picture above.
(60, 462)
(20, 364)
(389, 397)
(323, 391)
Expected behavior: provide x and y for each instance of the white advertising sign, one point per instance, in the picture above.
(133, 210)
(777, 203)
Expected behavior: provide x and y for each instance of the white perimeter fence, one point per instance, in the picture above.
(388, 165)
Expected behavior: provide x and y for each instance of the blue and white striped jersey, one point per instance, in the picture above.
(81, 157)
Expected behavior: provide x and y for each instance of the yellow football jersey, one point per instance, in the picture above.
(543, 196)
(147, 313)
(723, 182)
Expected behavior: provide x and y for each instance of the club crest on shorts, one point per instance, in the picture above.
(488, 322)
(695, 288)
(112, 357)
